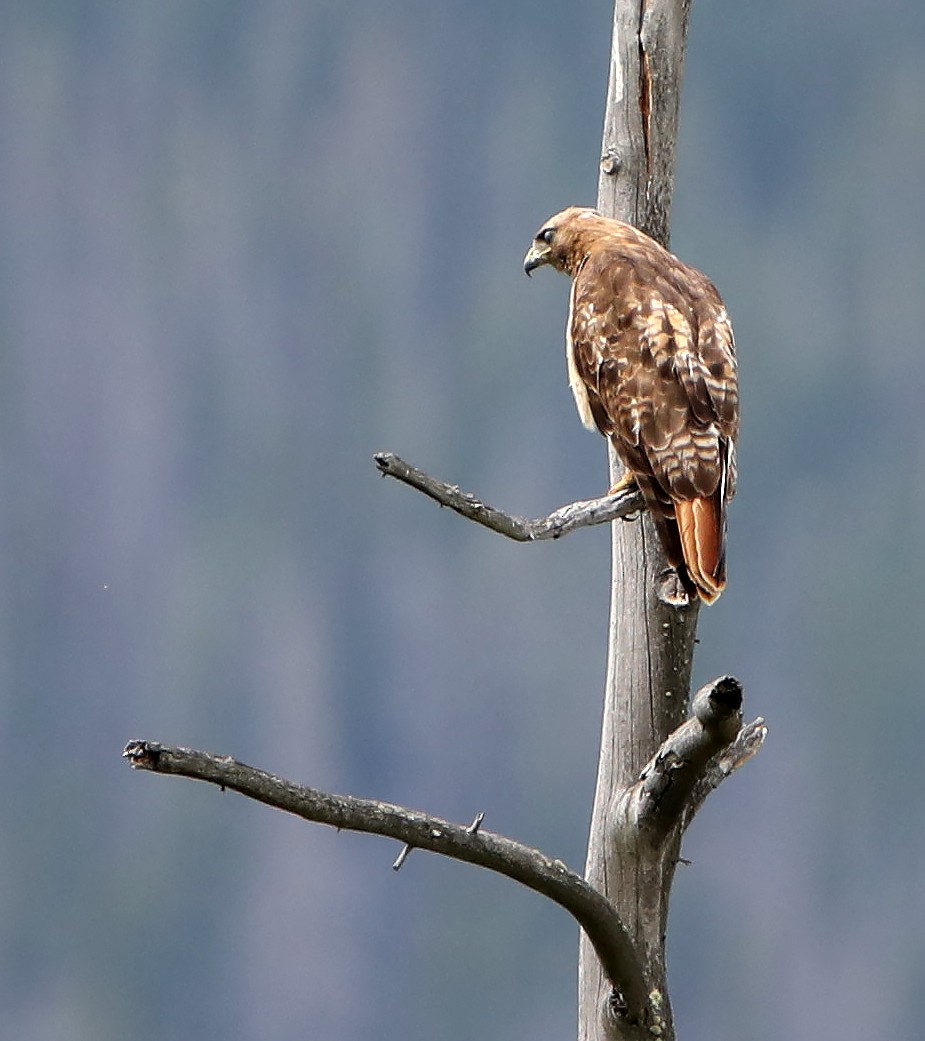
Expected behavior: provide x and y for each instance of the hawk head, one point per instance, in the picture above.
(563, 240)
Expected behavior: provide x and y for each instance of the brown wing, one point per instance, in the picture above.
(654, 349)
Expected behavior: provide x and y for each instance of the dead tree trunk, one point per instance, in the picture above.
(650, 643)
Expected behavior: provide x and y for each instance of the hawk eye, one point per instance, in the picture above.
(548, 234)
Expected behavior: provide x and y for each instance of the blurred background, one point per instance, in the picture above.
(243, 247)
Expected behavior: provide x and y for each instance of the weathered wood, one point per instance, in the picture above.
(531, 867)
(574, 515)
(656, 802)
(651, 643)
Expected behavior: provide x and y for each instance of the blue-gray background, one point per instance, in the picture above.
(242, 247)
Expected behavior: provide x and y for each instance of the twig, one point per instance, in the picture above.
(522, 863)
(476, 824)
(747, 743)
(402, 857)
(560, 522)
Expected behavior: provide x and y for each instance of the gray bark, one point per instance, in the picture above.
(696, 757)
(473, 844)
(560, 522)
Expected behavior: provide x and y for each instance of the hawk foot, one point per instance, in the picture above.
(670, 589)
(626, 483)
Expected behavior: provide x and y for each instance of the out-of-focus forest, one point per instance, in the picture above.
(244, 246)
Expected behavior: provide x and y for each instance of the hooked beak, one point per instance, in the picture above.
(537, 255)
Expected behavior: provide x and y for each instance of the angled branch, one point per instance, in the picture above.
(747, 743)
(560, 522)
(524, 864)
(692, 761)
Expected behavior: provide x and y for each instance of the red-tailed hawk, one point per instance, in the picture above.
(652, 365)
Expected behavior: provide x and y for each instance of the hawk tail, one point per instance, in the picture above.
(702, 527)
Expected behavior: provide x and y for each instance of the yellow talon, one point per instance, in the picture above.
(626, 482)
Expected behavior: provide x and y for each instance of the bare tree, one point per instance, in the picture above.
(651, 644)
(661, 752)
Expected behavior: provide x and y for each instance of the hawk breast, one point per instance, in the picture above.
(575, 379)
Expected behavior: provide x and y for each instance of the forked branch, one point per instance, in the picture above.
(560, 522)
(692, 761)
(524, 864)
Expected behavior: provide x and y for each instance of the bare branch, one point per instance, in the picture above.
(560, 522)
(677, 773)
(522, 863)
(747, 743)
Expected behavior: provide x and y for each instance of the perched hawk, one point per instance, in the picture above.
(652, 365)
